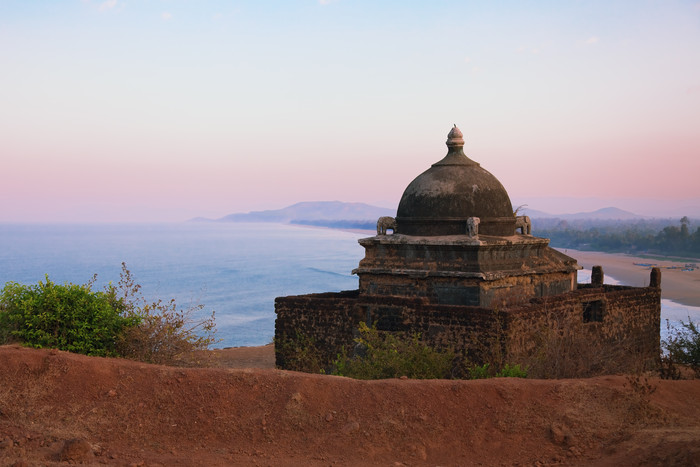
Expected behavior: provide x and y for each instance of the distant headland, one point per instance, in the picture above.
(336, 214)
(343, 214)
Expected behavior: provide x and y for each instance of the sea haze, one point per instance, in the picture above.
(235, 269)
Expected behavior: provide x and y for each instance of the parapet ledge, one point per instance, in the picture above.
(478, 240)
(422, 273)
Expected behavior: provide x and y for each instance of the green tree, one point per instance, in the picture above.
(685, 225)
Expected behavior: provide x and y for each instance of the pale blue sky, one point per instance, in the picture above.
(169, 109)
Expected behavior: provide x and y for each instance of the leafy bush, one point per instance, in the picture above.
(380, 355)
(392, 355)
(683, 345)
(300, 353)
(68, 317)
(486, 371)
(115, 322)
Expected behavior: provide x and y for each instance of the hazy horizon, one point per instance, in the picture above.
(116, 110)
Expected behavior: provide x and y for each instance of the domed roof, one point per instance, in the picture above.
(440, 200)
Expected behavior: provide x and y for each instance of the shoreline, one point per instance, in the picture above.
(679, 286)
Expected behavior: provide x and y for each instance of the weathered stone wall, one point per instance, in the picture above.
(462, 328)
(609, 327)
(329, 321)
(471, 291)
(618, 322)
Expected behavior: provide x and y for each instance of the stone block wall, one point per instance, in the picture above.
(465, 290)
(610, 327)
(462, 328)
(618, 322)
(328, 320)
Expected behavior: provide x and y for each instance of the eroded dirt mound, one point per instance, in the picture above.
(53, 405)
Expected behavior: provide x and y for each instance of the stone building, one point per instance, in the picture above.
(458, 266)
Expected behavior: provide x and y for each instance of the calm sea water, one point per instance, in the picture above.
(235, 269)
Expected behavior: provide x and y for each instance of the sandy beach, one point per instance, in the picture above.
(677, 285)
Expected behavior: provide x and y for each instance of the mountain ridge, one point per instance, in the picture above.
(312, 212)
(309, 211)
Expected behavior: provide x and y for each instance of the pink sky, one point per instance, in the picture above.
(163, 111)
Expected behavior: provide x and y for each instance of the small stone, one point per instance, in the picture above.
(560, 434)
(111, 393)
(404, 377)
(351, 427)
(574, 452)
(76, 450)
(329, 417)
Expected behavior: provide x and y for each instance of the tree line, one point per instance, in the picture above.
(654, 236)
(667, 237)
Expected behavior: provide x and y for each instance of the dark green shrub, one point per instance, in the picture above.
(486, 371)
(392, 355)
(68, 317)
(512, 371)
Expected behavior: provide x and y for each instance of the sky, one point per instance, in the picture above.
(164, 110)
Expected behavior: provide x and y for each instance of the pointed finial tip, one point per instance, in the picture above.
(455, 137)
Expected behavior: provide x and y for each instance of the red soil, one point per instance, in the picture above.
(58, 408)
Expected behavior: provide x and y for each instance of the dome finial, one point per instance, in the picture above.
(455, 138)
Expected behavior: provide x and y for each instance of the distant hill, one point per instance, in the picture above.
(604, 214)
(649, 208)
(338, 214)
(535, 214)
(609, 213)
(310, 211)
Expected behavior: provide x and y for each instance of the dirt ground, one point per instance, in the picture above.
(58, 408)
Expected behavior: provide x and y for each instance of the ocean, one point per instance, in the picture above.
(234, 269)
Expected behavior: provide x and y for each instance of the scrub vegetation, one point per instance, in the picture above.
(115, 322)
(382, 355)
(681, 349)
(561, 348)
